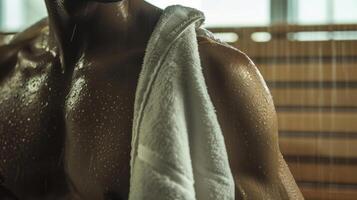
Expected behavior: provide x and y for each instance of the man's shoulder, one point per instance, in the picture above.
(35, 38)
(25, 37)
(231, 74)
(221, 55)
(222, 59)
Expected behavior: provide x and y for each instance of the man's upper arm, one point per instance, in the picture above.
(248, 120)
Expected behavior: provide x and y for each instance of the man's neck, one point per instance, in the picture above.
(84, 26)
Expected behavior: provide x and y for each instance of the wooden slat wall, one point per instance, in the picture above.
(283, 48)
(329, 193)
(341, 147)
(314, 87)
(310, 71)
(317, 121)
(279, 46)
(314, 172)
(314, 97)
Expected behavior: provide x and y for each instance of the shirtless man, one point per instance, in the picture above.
(67, 98)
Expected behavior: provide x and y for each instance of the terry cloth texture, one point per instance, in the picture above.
(178, 150)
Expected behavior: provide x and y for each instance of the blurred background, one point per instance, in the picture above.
(306, 51)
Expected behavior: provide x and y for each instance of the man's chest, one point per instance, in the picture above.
(46, 120)
(99, 115)
(31, 124)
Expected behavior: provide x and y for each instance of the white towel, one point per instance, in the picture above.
(178, 150)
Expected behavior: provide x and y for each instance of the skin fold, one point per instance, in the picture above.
(67, 88)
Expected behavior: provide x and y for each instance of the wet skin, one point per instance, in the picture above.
(67, 97)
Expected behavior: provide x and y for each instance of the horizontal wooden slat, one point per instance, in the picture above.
(312, 71)
(312, 172)
(319, 147)
(343, 97)
(284, 48)
(280, 28)
(316, 193)
(312, 84)
(319, 122)
(281, 46)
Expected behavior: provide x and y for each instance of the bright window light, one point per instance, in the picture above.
(229, 37)
(13, 14)
(237, 13)
(326, 11)
(164, 3)
(227, 12)
(312, 12)
(261, 37)
(345, 11)
(16, 15)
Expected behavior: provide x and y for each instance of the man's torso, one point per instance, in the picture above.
(67, 133)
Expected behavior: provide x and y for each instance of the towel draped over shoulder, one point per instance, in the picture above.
(178, 150)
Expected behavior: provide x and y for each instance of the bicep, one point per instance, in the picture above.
(247, 116)
(259, 165)
(250, 126)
